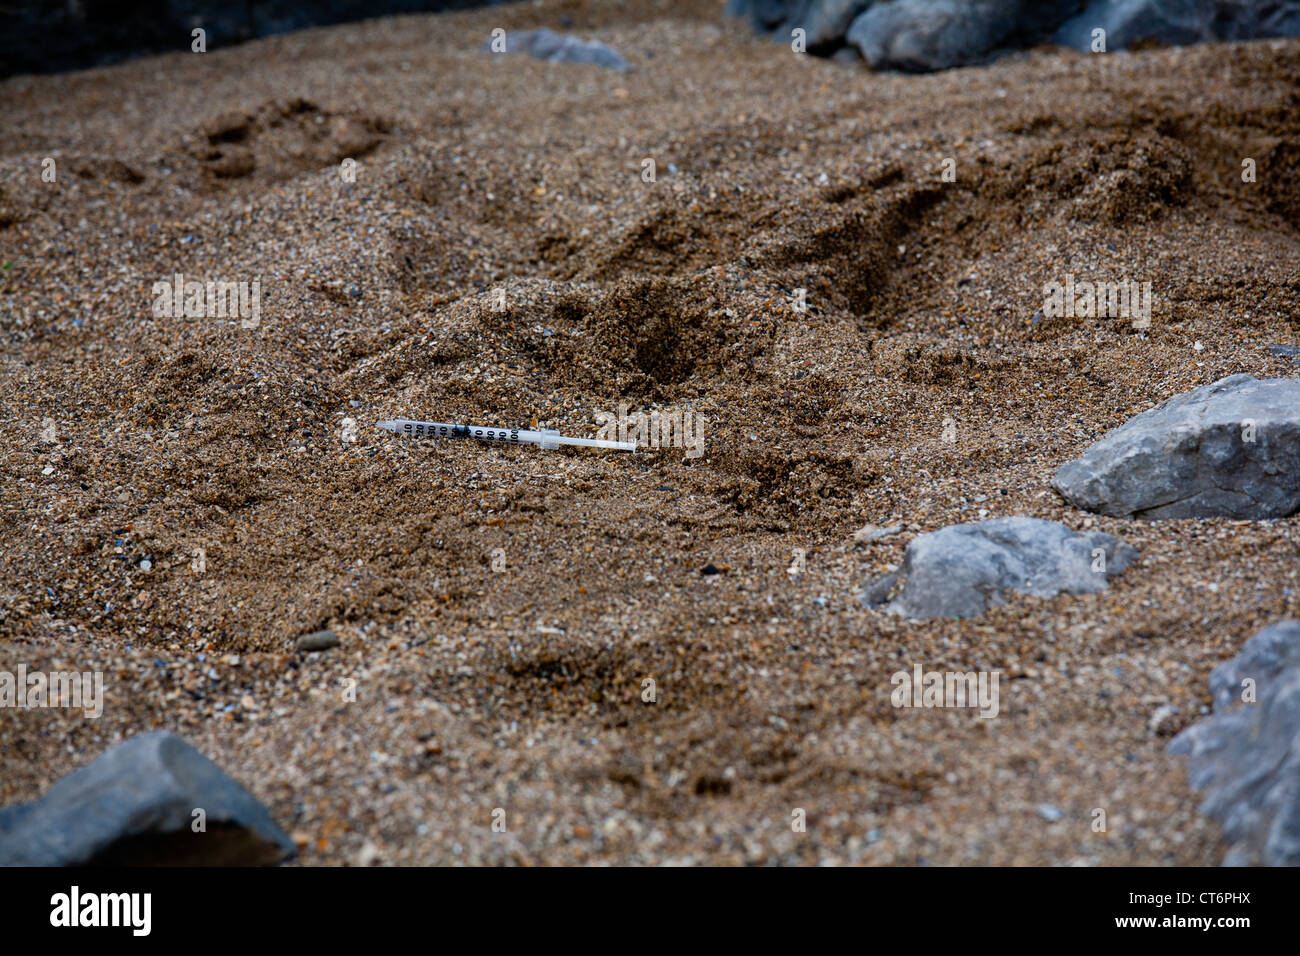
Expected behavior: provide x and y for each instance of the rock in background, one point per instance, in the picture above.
(961, 570)
(1179, 22)
(134, 806)
(41, 37)
(1229, 449)
(768, 16)
(924, 35)
(1245, 756)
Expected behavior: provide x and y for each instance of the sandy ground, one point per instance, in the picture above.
(513, 678)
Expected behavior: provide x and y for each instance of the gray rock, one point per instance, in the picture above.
(827, 21)
(1191, 456)
(559, 47)
(961, 570)
(767, 16)
(43, 37)
(317, 641)
(1245, 756)
(134, 805)
(924, 35)
(937, 34)
(1178, 22)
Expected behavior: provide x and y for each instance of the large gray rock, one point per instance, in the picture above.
(562, 48)
(923, 35)
(937, 34)
(135, 806)
(1179, 22)
(1193, 456)
(827, 21)
(961, 570)
(1247, 755)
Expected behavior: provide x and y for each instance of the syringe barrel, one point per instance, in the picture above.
(431, 429)
(447, 430)
(546, 438)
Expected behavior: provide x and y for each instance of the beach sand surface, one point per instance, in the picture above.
(181, 497)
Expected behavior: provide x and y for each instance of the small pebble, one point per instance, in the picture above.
(317, 641)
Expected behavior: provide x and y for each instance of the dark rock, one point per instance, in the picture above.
(1245, 755)
(924, 35)
(770, 15)
(827, 21)
(42, 37)
(1178, 22)
(135, 805)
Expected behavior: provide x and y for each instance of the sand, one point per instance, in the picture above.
(501, 607)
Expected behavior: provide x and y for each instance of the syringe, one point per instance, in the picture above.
(546, 438)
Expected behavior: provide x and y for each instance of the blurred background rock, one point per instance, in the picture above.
(911, 35)
(40, 36)
(925, 35)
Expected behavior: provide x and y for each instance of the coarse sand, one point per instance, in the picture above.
(182, 497)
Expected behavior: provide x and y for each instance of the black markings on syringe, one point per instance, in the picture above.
(439, 430)
(496, 434)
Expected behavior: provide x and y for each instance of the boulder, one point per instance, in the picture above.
(924, 35)
(135, 805)
(1178, 22)
(961, 570)
(1245, 756)
(1230, 449)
